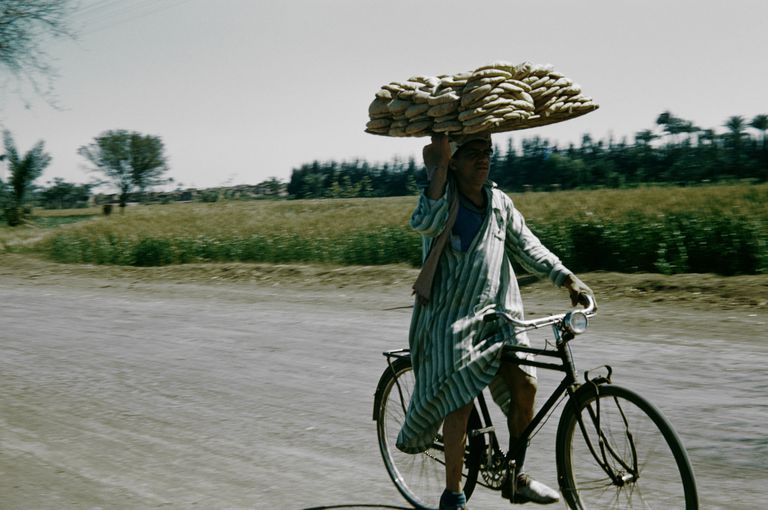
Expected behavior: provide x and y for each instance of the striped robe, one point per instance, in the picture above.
(455, 354)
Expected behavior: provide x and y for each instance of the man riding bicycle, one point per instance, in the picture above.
(471, 231)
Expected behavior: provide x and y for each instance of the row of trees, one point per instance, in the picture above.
(675, 152)
(61, 194)
(127, 160)
(356, 178)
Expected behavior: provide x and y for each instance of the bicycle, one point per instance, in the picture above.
(613, 448)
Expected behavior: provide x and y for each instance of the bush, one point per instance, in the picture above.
(152, 252)
(676, 243)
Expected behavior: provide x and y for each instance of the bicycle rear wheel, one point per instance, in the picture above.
(420, 478)
(616, 450)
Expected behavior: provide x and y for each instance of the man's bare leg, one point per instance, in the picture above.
(523, 389)
(454, 439)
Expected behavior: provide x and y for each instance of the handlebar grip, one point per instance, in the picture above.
(591, 305)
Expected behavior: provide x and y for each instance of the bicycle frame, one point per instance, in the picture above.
(569, 385)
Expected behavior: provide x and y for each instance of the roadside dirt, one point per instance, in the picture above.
(704, 291)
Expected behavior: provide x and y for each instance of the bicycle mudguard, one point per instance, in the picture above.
(587, 387)
(393, 367)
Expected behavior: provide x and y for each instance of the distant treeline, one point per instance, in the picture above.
(678, 152)
(357, 178)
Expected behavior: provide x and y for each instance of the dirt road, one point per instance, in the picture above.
(132, 392)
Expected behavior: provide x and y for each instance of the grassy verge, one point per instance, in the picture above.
(721, 229)
(39, 225)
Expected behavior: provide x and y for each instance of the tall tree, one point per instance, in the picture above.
(667, 122)
(736, 126)
(23, 172)
(148, 161)
(2, 188)
(674, 126)
(24, 26)
(760, 122)
(645, 137)
(128, 159)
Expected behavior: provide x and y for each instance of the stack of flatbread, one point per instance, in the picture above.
(493, 98)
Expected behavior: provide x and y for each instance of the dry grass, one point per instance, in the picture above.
(227, 219)
(58, 213)
(667, 229)
(647, 201)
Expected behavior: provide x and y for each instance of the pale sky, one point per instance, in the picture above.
(243, 90)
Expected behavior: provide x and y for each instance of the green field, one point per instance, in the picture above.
(721, 229)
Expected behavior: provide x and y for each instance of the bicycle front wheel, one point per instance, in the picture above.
(420, 477)
(616, 450)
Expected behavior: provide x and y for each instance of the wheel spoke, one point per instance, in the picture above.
(638, 448)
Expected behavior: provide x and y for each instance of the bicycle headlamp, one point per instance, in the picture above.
(576, 322)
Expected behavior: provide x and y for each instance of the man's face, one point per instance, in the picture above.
(471, 165)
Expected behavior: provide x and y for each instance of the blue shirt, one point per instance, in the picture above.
(469, 219)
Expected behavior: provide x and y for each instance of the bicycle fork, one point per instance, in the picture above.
(607, 456)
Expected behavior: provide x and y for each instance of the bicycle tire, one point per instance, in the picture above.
(656, 471)
(420, 478)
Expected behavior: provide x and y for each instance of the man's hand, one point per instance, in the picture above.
(579, 291)
(437, 154)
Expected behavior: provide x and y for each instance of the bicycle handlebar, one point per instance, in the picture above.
(490, 313)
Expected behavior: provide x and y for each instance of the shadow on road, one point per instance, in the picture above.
(331, 507)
